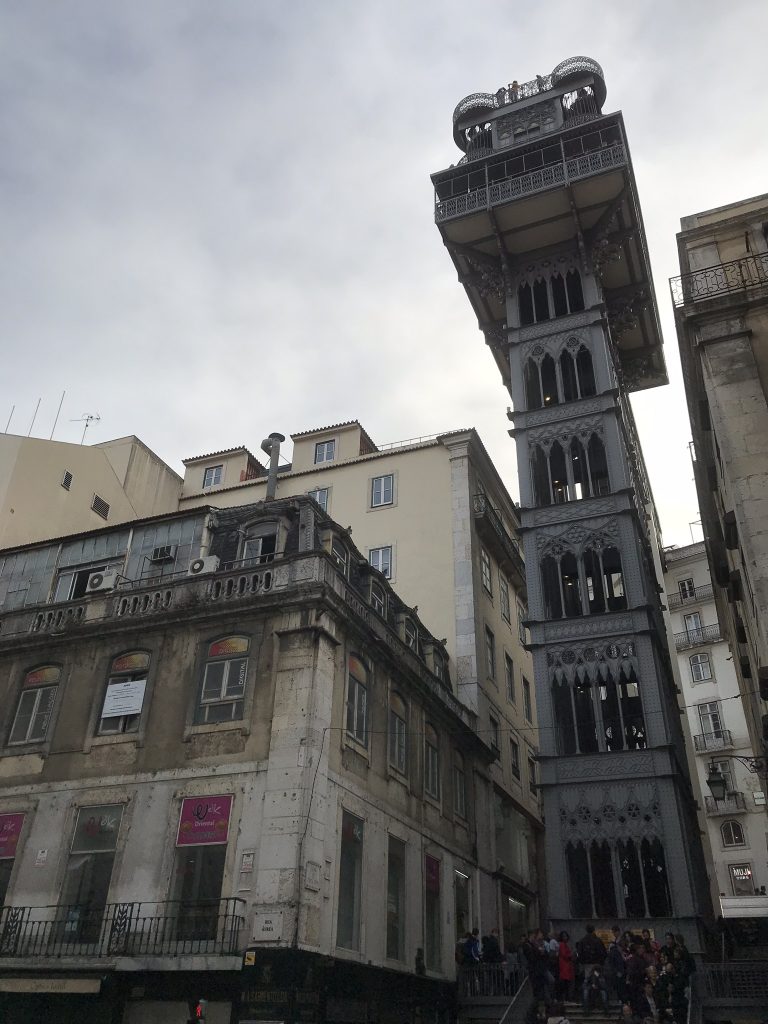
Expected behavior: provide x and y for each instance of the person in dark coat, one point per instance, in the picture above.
(491, 948)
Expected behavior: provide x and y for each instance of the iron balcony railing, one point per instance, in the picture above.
(491, 525)
(732, 804)
(697, 595)
(168, 928)
(738, 983)
(696, 637)
(489, 981)
(723, 279)
(705, 742)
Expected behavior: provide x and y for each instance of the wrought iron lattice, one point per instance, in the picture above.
(723, 279)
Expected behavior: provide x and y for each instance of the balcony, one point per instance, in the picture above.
(491, 528)
(699, 595)
(709, 741)
(169, 928)
(735, 277)
(732, 804)
(697, 637)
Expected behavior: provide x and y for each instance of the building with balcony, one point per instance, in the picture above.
(542, 220)
(721, 313)
(710, 692)
(237, 736)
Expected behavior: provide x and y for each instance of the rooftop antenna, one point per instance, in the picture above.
(87, 418)
(694, 522)
(57, 415)
(13, 409)
(29, 432)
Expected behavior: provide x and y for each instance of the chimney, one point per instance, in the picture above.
(271, 445)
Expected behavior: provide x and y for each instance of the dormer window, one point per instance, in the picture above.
(410, 634)
(325, 451)
(260, 544)
(340, 555)
(378, 598)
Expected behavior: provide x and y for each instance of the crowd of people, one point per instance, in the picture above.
(649, 980)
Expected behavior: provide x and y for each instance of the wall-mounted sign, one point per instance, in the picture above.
(96, 828)
(124, 698)
(267, 927)
(41, 858)
(246, 862)
(10, 830)
(204, 820)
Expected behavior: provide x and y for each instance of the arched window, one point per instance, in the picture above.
(550, 581)
(613, 579)
(579, 880)
(548, 381)
(559, 299)
(563, 712)
(601, 867)
(224, 676)
(631, 879)
(585, 372)
(598, 466)
(525, 304)
(655, 878)
(459, 785)
(584, 710)
(533, 398)
(542, 495)
(732, 833)
(340, 555)
(36, 702)
(558, 473)
(579, 470)
(124, 698)
(398, 742)
(260, 544)
(701, 667)
(378, 598)
(410, 634)
(540, 300)
(574, 290)
(431, 762)
(569, 377)
(357, 700)
(571, 585)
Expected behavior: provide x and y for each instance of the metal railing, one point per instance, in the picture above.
(722, 279)
(167, 928)
(698, 594)
(708, 741)
(737, 983)
(695, 637)
(731, 804)
(484, 981)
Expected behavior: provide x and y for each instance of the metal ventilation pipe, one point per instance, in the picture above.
(271, 445)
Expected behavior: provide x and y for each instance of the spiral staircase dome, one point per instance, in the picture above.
(575, 67)
(478, 103)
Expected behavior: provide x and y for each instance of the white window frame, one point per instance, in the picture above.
(398, 740)
(506, 613)
(37, 693)
(321, 495)
(707, 716)
(490, 653)
(382, 496)
(378, 597)
(733, 846)
(432, 765)
(203, 703)
(527, 700)
(509, 678)
(340, 555)
(700, 660)
(325, 451)
(514, 758)
(686, 589)
(485, 572)
(217, 475)
(357, 708)
(411, 635)
(381, 559)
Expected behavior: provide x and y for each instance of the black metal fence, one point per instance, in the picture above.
(709, 282)
(167, 928)
(483, 981)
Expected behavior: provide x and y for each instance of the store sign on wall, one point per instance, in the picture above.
(204, 820)
(10, 830)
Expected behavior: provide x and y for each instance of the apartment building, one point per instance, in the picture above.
(237, 737)
(721, 309)
(736, 822)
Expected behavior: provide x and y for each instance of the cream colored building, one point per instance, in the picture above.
(736, 825)
(434, 516)
(721, 301)
(52, 488)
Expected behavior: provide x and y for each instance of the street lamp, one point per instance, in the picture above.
(716, 782)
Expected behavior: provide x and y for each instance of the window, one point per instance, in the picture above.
(701, 667)
(438, 664)
(66, 480)
(509, 675)
(325, 451)
(121, 710)
(461, 904)
(411, 634)
(224, 676)
(490, 653)
(320, 494)
(73, 583)
(693, 626)
(378, 598)
(201, 847)
(357, 701)
(459, 786)
(741, 879)
(212, 476)
(35, 705)
(532, 773)
(724, 768)
(514, 753)
(100, 506)
(432, 912)
(396, 899)
(527, 700)
(640, 867)
(398, 743)
(600, 711)
(493, 727)
(522, 615)
(504, 599)
(350, 879)
(260, 544)
(687, 589)
(381, 559)
(340, 555)
(732, 834)
(485, 570)
(382, 490)
(88, 874)
(431, 762)
(709, 719)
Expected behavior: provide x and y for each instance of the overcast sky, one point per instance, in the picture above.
(217, 217)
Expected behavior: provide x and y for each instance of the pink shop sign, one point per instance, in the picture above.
(204, 820)
(10, 830)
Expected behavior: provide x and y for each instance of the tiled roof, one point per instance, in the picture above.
(224, 451)
(322, 430)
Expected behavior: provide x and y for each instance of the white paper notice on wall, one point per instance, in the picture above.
(267, 927)
(124, 698)
(41, 858)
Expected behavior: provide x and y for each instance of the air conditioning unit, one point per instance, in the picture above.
(165, 553)
(104, 579)
(202, 566)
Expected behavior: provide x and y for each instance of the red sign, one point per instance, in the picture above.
(204, 820)
(10, 830)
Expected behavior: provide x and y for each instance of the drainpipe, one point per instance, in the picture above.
(271, 445)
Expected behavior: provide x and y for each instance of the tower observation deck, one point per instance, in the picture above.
(542, 220)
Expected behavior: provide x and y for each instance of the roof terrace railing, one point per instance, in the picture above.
(722, 279)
